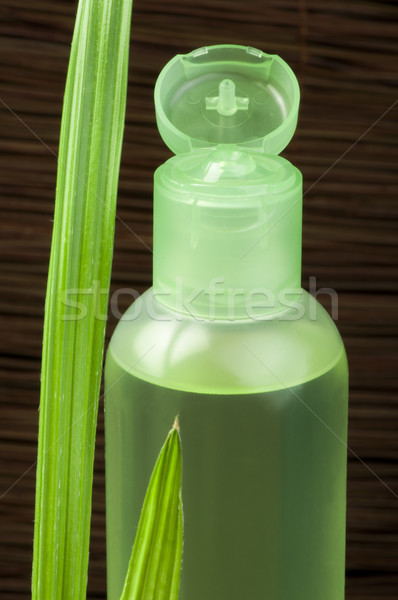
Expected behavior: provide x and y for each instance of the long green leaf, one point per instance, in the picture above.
(155, 564)
(77, 295)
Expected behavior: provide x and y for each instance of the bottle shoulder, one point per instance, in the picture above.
(180, 351)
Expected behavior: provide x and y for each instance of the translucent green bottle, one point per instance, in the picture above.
(227, 339)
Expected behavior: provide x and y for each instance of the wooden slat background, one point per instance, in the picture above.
(345, 56)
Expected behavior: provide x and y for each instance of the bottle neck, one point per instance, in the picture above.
(216, 303)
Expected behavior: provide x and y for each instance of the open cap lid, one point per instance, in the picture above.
(227, 94)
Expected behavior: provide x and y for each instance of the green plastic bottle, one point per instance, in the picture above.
(227, 339)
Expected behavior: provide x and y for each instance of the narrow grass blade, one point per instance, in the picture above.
(77, 295)
(155, 564)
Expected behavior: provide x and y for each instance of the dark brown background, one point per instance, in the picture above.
(345, 56)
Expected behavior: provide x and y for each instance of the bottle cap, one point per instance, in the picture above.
(227, 233)
(227, 94)
(227, 209)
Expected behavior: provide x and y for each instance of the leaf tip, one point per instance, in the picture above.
(176, 424)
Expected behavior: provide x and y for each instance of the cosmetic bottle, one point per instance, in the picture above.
(227, 339)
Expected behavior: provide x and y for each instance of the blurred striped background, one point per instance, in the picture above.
(345, 55)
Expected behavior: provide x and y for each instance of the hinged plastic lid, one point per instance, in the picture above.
(227, 94)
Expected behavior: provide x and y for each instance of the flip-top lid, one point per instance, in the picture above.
(227, 94)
